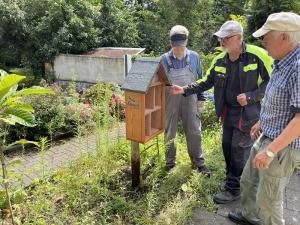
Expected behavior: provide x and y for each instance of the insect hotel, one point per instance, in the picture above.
(144, 89)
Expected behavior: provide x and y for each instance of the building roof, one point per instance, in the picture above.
(142, 73)
(113, 52)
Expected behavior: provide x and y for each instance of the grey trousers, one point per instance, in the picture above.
(262, 190)
(184, 108)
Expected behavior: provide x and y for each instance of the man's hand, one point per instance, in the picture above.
(177, 89)
(242, 99)
(261, 160)
(255, 131)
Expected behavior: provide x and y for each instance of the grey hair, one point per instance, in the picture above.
(294, 36)
(242, 35)
(179, 29)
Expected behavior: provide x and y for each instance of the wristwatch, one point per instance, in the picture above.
(269, 153)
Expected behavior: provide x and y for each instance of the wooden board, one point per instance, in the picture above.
(134, 116)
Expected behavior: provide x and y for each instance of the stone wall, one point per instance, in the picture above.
(89, 69)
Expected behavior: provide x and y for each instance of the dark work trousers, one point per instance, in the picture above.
(236, 146)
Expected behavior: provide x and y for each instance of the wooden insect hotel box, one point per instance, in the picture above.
(144, 88)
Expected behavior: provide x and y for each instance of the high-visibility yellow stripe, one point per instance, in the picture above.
(250, 67)
(212, 65)
(262, 55)
(220, 69)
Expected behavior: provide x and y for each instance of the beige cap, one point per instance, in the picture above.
(283, 21)
(228, 28)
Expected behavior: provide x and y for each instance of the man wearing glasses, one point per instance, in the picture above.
(239, 76)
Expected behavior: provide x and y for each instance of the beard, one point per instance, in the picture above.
(224, 49)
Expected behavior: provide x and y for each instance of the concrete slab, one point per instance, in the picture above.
(293, 200)
(203, 217)
(291, 217)
(224, 209)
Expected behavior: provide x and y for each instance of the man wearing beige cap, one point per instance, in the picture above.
(239, 76)
(276, 153)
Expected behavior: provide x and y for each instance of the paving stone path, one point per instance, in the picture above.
(291, 208)
(62, 154)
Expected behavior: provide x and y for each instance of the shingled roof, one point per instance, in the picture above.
(142, 73)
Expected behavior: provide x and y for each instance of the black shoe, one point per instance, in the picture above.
(203, 169)
(169, 167)
(226, 197)
(237, 217)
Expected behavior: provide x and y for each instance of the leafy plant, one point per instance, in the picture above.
(13, 110)
(52, 117)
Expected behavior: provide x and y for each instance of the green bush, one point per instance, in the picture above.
(208, 116)
(98, 95)
(69, 112)
(51, 115)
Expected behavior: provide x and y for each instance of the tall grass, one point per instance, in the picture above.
(96, 188)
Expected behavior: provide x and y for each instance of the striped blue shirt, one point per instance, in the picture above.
(282, 98)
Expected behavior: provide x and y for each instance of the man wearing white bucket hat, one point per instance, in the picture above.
(276, 153)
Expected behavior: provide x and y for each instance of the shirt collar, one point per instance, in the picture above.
(287, 59)
(184, 54)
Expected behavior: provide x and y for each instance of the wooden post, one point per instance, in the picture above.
(135, 163)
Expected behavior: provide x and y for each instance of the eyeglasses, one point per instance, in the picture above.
(226, 38)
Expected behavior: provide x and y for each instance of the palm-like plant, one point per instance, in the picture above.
(13, 110)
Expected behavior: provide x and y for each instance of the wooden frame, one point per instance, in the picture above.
(145, 113)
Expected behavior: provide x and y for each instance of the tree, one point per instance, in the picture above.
(261, 9)
(117, 24)
(64, 26)
(197, 16)
(149, 28)
(12, 33)
(224, 8)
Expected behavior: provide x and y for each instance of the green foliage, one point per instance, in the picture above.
(12, 33)
(17, 197)
(12, 109)
(118, 26)
(40, 29)
(96, 93)
(66, 112)
(261, 9)
(199, 22)
(98, 96)
(240, 19)
(224, 8)
(30, 79)
(151, 36)
(58, 27)
(206, 60)
(96, 189)
(209, 119)
(51, 118)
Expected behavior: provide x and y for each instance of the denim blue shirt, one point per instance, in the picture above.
(282, 98)
(194, 62)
